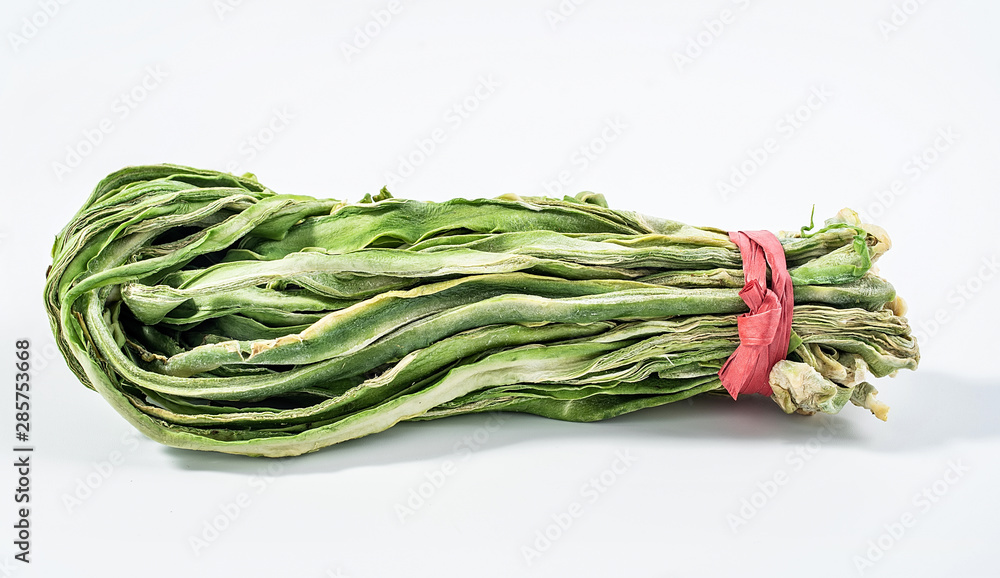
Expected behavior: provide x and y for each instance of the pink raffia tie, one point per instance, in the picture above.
(766, 329)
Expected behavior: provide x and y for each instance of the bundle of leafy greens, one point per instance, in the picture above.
(215, 314)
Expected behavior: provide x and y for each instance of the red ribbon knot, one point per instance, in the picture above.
(766, 329)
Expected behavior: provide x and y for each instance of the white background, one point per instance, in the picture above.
(894, 76)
